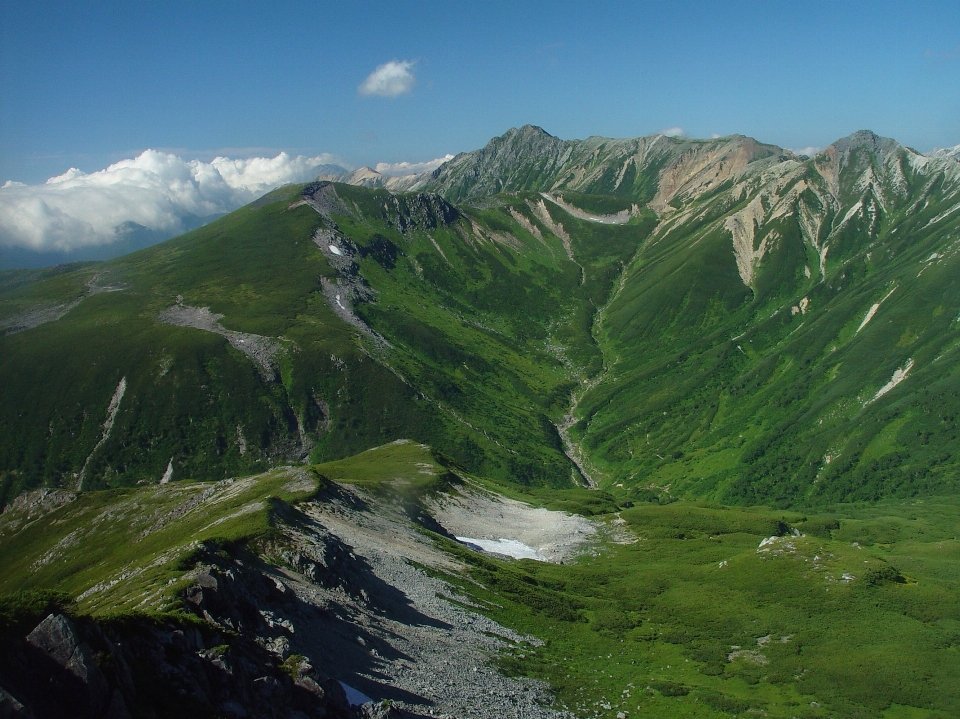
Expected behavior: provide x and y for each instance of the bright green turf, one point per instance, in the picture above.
(651, 628)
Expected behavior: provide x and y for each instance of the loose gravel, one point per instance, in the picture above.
(414, 640)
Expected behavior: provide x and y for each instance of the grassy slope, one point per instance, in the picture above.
(709, 388)
(650, 628)
(488, 337)
(125, 549)
(719, 389)
(134, 544)
(657, 618)
(188, 390)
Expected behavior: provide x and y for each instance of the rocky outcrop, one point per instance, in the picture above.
(424, 211)
(157, 668)
(232, 660)
(31, 505)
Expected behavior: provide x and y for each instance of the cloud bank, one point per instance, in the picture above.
(808, 151)
(389, 80)
(157, 190)
(397, 169)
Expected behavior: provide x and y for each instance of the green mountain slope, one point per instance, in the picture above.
(317, 322)
(791, 341)
(693, 610)
(699, 318)
(679, 323)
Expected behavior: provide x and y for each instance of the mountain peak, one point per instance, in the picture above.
(527, 137)
(526, 131)
(868, 140)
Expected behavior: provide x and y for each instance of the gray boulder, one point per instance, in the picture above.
(56, 637)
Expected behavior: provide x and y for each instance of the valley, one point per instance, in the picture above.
(650, 427)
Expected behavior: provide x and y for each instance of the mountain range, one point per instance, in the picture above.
(699, 345)
(699, 318)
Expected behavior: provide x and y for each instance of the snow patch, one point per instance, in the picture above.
(493, 523)
(354, 696)
(510, 547)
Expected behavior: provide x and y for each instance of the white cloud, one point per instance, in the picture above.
(673, 132)
(156, 189)
(410, 168)
(808, 151)
(389, 80)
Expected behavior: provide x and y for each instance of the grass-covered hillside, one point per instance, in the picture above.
(683, 610)
(721, 320)
(248, 343)
(717, 611)
(820, 366)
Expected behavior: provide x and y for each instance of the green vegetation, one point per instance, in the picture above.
(401, 468)
(697, 620)
(22, 610)
(776, 333)
(477, 314)
(125, 549)
(682, 613)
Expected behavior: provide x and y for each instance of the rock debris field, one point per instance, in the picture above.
(408, 642)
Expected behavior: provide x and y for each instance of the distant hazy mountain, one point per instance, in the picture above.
(951, 152)
(130, 237)
(368, 177)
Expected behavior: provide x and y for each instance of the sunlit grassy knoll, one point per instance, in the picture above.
(124, 549)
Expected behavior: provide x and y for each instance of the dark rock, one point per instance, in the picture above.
(154, 669)
(118, 707)
(56, 637)
(10, 708)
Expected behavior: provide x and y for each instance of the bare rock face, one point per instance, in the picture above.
(56, 637)
(84, 669)
(10, 708)
(38, 502)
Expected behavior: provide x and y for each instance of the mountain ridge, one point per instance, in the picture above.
(757, 233)
(660, 427)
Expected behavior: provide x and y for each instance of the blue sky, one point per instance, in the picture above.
(86, 84)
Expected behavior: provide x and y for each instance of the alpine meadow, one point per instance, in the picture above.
(654, 427)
